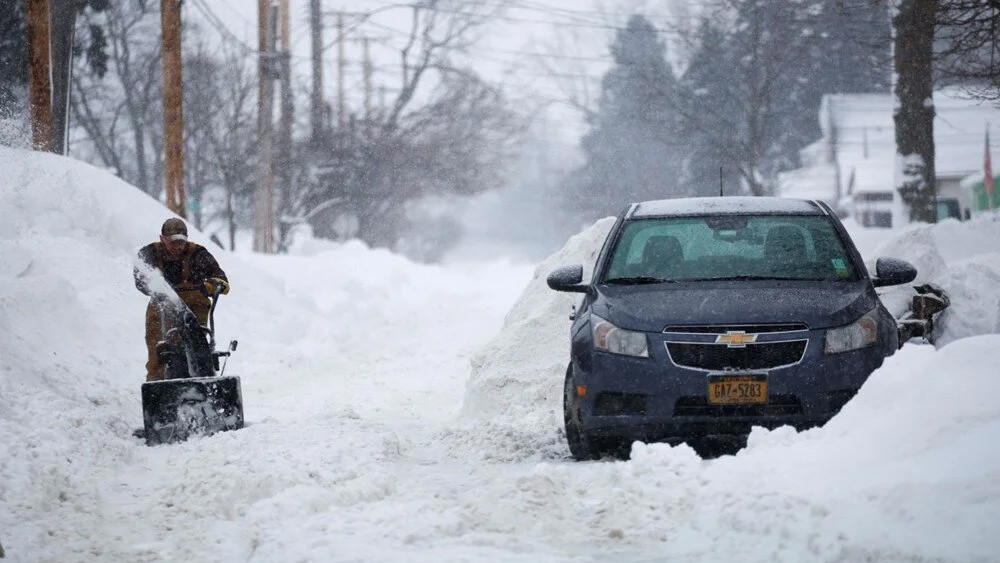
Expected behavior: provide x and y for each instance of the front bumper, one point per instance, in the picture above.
(655, 399)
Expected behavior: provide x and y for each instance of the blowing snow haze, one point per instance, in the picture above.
(454, 127)
(388, 232)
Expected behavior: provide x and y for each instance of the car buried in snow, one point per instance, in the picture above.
(705, 317)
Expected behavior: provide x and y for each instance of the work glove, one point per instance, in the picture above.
(214, 286)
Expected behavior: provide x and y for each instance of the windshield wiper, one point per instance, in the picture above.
(750, 278)
(638, 280)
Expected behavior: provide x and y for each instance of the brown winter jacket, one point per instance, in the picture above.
(186, 272)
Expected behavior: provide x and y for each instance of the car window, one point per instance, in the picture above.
(730, 246)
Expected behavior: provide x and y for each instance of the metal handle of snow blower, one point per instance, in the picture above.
(211, 335)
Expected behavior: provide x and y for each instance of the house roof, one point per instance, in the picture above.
(813, 182)
(863, 130)
(860, 130)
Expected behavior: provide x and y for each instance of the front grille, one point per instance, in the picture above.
(619, 403)
(762, 355)
(777, 405)
(749, 329)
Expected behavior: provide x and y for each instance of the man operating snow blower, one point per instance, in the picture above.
(191, 271)
(183, 395)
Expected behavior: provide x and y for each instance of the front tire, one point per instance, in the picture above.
(581, 445)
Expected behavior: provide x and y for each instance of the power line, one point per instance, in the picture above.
(518, 19)
(219, 26)
(227, 35)
(579, 15)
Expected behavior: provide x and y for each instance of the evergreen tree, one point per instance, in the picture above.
(13, 52)
(14, 46)
(709, 115)
(758, 76)
(632, 148)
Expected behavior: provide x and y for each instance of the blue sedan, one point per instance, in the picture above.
(705, 317)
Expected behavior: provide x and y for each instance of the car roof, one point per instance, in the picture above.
(735, 205)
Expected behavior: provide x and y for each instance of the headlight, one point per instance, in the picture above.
(616, 340)
(858, 334)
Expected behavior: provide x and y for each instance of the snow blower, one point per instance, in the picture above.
(196, 397)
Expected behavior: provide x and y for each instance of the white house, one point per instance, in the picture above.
(852, 167)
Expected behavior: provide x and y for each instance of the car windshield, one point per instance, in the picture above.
(729, 247)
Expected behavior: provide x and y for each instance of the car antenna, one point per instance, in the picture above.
(720, 181)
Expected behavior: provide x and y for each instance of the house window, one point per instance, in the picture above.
(882, 219)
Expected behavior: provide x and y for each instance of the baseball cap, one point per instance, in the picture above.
(174, 229)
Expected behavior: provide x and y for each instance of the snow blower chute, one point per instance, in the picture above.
(196, 398)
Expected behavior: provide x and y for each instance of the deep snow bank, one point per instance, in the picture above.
(513, 406)
(961, 257)
(518, 377)
(907, 472)
(72, 351)
(71, 330)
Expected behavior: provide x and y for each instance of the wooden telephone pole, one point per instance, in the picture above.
(263, 213)
(317, 109)
(173, 100)
(285, 125)
(368, 80)
(63, 17)
(341, 117)
(39, 73)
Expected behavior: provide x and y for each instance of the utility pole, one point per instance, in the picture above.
(285, 130)
(39, 74)
(173, 100)
(316, 114)
(263, 232)
(340, 70)
(368, 81)
(63, 19)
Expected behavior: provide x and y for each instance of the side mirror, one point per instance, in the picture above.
(893, 271)
(567, 278)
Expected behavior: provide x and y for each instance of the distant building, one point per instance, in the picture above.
(852, 167)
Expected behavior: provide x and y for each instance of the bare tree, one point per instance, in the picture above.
(967, 41)
(119, 114)
(201, 105)
(230, 137)
(444, 131)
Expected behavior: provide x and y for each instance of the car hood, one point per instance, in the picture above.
(653, 307)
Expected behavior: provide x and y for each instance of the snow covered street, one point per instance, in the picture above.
(405, 412)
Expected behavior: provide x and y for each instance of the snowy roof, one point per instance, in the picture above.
(863, 130)
(735, 205)
(813, 182)
(860, 130)
(977, 178)
(870, 176)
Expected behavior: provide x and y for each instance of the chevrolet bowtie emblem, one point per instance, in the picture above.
(735, 339)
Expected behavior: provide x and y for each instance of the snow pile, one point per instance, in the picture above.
(71, 332)
(907, 472)
(318, 354)
(961, 257)
(516, 380)
(61, 351)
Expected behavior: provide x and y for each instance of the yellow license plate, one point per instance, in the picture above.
(747, 389)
